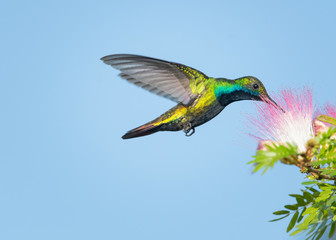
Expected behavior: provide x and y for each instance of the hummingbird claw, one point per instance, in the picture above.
(187, 129)
(189, 134)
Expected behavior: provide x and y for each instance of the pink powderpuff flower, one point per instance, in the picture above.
(294, 125)
(328, 110)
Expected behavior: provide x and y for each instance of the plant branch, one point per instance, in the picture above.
(310, 169)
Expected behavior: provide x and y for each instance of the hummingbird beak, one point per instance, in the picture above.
(269, 100)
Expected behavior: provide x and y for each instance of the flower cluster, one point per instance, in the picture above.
(301, 135)
(296, 125)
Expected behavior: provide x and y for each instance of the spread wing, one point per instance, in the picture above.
(171, 80)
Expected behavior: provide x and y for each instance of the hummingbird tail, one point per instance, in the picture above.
(143, 130)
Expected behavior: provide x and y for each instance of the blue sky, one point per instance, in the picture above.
(65, 172)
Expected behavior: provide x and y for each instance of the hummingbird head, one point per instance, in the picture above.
(255, 90)
(245, 88)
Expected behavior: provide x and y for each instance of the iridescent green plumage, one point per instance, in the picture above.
(199, 97)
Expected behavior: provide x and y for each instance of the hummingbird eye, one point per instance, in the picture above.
(255, 86)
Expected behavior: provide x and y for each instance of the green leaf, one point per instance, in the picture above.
(279, 218)
(332, 230)
(291, 207)
(299, 199)
(300, 202)
(296, 195)
(313, 190)
(327, 119)
(321, 233)
(322, 197)
(308, 183)
(309, 219)
(330, 201)
(326, 187)
(301, 216)
(296, 232)
(282, 212)
(266, 159)
(310, 210)
(308, 196)
(293, 221)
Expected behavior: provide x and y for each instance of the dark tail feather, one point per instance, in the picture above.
(141, 131)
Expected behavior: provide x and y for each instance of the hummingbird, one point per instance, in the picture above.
(199, 98)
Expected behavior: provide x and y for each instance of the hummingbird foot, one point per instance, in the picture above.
(189, 134)
(187, 128)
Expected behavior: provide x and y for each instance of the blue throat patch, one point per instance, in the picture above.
(220, 90)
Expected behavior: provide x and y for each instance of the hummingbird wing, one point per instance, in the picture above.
(175, 81)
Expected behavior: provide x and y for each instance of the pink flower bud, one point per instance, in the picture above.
(319, 127)
(262, 145)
